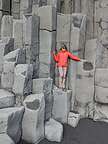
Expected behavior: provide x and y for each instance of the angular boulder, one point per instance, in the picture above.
(61, 105)
(53, 130)
(33, 120)
(5, 139)
(45, 85)
(73, 119)
(7, 99)
(23, 79)
(10, 122)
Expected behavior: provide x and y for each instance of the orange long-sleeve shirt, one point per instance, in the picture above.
(62, 58)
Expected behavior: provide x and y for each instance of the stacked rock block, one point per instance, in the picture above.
(15, 10)
(47, 40)
(84, 100)
(101, 62)
(31, 42)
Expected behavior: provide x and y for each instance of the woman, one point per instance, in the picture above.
(61, 58)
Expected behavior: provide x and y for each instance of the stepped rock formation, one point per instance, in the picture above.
(29, 31)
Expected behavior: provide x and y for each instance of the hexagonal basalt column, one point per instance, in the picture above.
(33, 120)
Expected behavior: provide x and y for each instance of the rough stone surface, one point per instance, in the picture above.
(31, 42)
(33, 120)
(44, 85)
(18, 56)
(101, 86)
(10, 122)
(47, 43)
(5, 5)
(90, 50)
(101, 56)
(23, 79)
(7, 78)
(6, 45)
(7, 99)
(50, 13)
(73, 119)
(25, 7)
(101, 112)
(53, 130)
(84, 89)
(7, 26)
(61, 105)
(18, 33)
(5, 139)
(63, 27)
(15, 9)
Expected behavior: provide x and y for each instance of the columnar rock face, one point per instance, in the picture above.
(6, 45)
(15, 9)
(7, 78)
(25, 7)
(47, 40)
(53, 130)
(7, 26)
(87, 8)
(101, 87)
(7, 99)
(5, 6)
(31, 42)
(10, 122)
(84, 99)
(101, 112)
(18, 33)
(44, 85)
(5, 139)
(33, 120)
(90, 50)
(23, 79)
(61, 105)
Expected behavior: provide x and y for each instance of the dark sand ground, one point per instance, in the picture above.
(87, 132)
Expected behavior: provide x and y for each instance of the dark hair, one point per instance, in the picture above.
(63, 46)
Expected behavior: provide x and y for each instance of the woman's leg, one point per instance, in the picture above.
(60, 76)
(64, 77)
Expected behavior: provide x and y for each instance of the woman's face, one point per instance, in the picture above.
(63, 49)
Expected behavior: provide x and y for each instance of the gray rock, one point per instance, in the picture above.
(63, 27)
(5, 5)
(7, 26)
(73, 119)
(18, 56)
(23, 79)
(47, 43)
(53, 130)
(101, 112)
(10, 122)
(101, 55)
(33, 120)
(6, 45)
(50, 13)
(7, 99)
(90, 50)
(61, 105)
(84, 89)
(7, 77)
(31, 42)
(101, 78)
(18, 33)
(44, 85)
(101, 86)
(25, 7)
(15, 9)
(5, 139)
